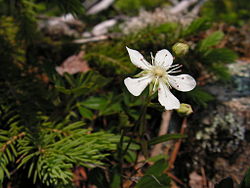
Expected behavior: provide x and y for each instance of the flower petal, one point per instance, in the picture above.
(137, 85)
(164, 58)
(166, 98)
(137, 59)
(182, 82)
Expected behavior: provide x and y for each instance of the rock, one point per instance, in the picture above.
(103, 27)
(65, 25)
(220, 140)
(155, 18)
(102, 5)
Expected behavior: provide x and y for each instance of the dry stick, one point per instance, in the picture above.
(204, 178)
(166, 116)
(177, 145)
(175, 178)
(91, 39)
(175, 152)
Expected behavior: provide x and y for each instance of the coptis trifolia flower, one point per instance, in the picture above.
(159, 73)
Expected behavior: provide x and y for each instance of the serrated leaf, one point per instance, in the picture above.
(210, 41)
(221, 71)
(200, 96)
(196, 26)
(223, 55)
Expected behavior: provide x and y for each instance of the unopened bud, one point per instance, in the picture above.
(185, 109)
(180, 49)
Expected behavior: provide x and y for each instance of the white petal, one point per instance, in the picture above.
(182, 82)
(166, 98)
(137, 59)
(164, 58)
(137, 85)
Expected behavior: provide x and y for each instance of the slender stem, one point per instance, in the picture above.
(141, 125)
(120, 156)
(139, 122)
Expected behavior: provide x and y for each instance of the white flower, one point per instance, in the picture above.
(159, 73)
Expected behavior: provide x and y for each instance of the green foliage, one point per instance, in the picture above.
(133, 6)
(155, 177)
(210, 41)
(216, 58)
(74, 6)
(84, 83)
(198, 25)
(50, 153)
(200, 97)
(218, 55)
(110, 58)
(230, 11)
(11, 49)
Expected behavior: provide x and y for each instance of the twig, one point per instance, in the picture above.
(91, 39)
(166, 116)
(204, 178)
(175, 178)
(12, 139)
(177, 145)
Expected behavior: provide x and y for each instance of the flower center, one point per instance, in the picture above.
(159, 71)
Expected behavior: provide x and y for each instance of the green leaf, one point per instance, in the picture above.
(196, 26)
(223, 55)
(210, 41)
(111, 109)
(158, 168)
(86, 113)
(116, 180)
(95, 103)
(151, 181)
(84, 84)
(157, 157)
(200, 96)
(221, 71)
(130, 156)
(165, 138)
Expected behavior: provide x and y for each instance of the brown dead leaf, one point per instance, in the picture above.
(73, 64)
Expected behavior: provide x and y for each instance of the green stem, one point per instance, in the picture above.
(141, 122)
(120, 156)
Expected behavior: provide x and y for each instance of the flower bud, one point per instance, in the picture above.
(185, 109)
(180, 49)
